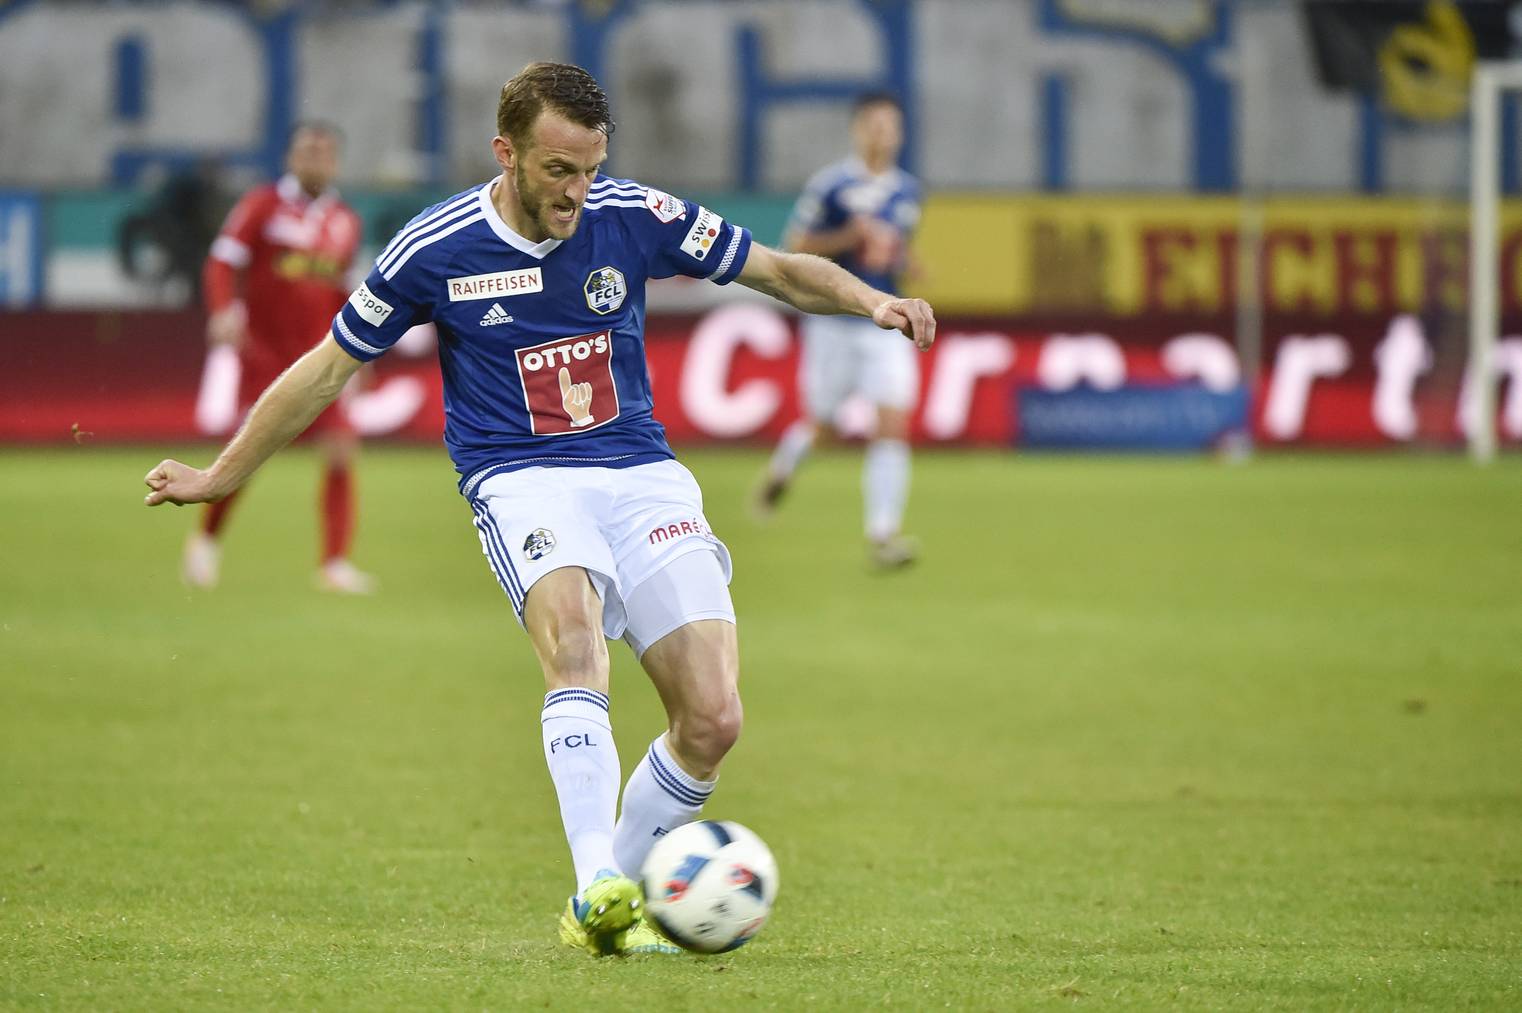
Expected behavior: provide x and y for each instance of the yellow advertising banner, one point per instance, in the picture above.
(1135, 255)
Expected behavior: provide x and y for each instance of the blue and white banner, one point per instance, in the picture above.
(21, 257)
(1183, 416)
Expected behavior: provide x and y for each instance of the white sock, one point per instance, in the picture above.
(660, 797)
(796, 442)
(885, 487)
(583, 762)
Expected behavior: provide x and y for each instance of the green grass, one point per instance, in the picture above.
(1136, 733)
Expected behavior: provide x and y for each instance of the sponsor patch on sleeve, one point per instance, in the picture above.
(703, 234)
(664, 206)
(370, 308)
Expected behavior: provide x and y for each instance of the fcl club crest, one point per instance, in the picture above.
(539, 544)
(605, 290)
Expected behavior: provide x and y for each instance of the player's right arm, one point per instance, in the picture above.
(231, 253)
(816, 285)
(286, 408)
(394, 297)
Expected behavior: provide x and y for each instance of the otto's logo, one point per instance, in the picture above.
(568, 384)
(701, 237)
(494, 286)
(666, 532)
(605, 289)
(566, 353)
(539, 544)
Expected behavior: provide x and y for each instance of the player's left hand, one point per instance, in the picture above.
(911, 317)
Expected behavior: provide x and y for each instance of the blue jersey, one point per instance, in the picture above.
(542, 345)
(838, 192)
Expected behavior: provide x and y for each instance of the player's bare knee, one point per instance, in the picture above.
(707, 732)
(576, 656)
(571, 649)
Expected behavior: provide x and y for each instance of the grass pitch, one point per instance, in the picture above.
(1137, 732)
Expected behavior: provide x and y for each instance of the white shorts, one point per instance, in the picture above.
(622, 525)
(849, 355)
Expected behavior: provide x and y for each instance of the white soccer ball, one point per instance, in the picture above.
(709, 885)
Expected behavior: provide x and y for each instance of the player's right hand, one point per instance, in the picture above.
(173, 482)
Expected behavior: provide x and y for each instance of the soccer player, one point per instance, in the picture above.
(860, 213)
(277, 273)
(535, 281)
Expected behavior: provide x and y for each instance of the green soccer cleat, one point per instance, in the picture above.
(646, 938)
(599, 921)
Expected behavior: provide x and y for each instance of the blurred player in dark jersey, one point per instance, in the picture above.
(277, 273)
(860, 212)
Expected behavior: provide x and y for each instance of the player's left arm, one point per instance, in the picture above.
(815, 285)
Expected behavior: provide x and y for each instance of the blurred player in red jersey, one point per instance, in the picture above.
(277, 273)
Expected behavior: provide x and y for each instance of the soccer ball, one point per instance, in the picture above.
(709, 885)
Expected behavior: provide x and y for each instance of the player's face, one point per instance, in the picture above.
(878, 133)
(552, 174)
(313, 159)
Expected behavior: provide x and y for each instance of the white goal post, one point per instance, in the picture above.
(1490, 79)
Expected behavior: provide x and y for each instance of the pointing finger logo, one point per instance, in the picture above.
(577, 398)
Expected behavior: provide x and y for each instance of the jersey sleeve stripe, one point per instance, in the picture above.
(396, 266)
(607, 186)
(385, 260)
(342, 332)
(230, 251)
(729, 252)
(593, 203)
(412, 231)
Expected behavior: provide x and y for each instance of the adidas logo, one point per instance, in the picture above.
(496, 315)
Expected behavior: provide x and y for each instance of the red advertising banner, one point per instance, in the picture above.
(730, 374)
